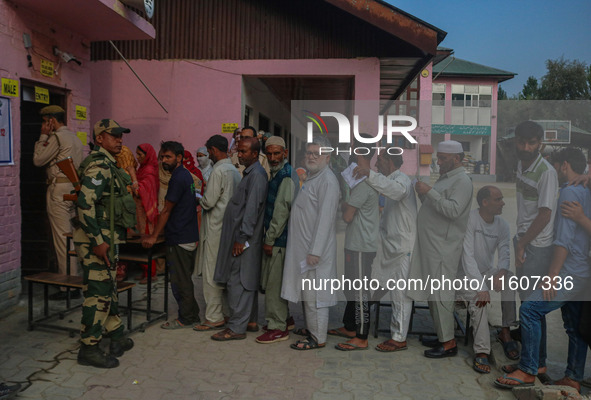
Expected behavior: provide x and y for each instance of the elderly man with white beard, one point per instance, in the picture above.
(311, 245)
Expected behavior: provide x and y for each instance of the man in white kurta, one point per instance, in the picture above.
(224, 178)
(398, 227)
(311, 245)
(441, 225)
(486, 234)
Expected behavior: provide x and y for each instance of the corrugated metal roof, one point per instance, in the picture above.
(459, 67)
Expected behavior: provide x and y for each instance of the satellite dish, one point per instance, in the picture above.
(146, 5)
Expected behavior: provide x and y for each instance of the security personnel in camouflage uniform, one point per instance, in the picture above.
(100, 178)
(55, 143)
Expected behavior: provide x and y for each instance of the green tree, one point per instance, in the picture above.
(501, 94)
(565, 80)
(530, 90)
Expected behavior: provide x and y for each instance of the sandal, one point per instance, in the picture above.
(479, 363)
(542, 376)
(519, 383)
(308, 343)
(341, 347)
(391, 345)
(176, 324)
(301, 332)
(228, 334)
(209, 326)
(510, 347)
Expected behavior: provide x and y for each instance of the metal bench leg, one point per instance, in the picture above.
(30, 305)
(129, 309)
(46, 300)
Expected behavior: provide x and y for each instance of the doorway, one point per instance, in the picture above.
(37, 251)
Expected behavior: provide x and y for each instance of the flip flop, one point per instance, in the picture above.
(509, 347)
(479, 362)
(389, 346)
(520, 383)
(208, 326)
(336, 332)
(354, 347)
(542, 376)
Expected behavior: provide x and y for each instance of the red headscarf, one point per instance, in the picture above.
(189, 164)
(148, 181)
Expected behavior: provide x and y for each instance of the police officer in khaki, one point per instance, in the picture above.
(55, 143)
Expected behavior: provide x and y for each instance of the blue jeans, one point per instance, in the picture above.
(537, 262)
(532, 315)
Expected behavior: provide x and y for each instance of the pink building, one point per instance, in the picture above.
(33, 74)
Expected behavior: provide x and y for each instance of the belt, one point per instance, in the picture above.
(58, 179)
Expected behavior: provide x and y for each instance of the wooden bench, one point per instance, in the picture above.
(69, 282)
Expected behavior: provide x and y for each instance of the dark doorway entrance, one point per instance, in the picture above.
(37, 253)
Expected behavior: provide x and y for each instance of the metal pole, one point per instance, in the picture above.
(136, 75)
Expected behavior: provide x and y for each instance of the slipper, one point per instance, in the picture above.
(176, 324)
(228, 334)
(208, 326)
(336, 332)
(520, 383)
(301, 332)
(340, 347)
(480, 362)
(509, 347)
(390, 346)
(308, 343)
(542, 376)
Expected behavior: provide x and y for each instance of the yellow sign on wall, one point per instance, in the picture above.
(82, 136)
(41, 95)
(9, 87)
(229, 128)
(47, 68)
(81, 113)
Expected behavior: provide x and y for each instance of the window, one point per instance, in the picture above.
(465, 146)
(439, 99)
(264, 123)
(457, 100)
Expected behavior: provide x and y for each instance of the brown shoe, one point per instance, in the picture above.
(228, 334)
(252, 327)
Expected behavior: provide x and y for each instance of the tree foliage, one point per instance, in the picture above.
(565, 80)
(531, 90)
(501, 94)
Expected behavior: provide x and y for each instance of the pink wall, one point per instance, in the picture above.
(200, 95)
(14, 22)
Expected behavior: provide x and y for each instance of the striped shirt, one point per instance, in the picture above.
(537, 187)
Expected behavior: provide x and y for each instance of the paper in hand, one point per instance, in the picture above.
(349, 178)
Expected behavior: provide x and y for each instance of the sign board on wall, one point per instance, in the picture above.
(5, 133)
(229, 128)
(41, 95)
(83, 137)
(81, 113)
(46, 68)
(9, 87)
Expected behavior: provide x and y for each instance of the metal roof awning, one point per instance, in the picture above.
(94, 19)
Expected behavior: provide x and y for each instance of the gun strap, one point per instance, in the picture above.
(112, 219)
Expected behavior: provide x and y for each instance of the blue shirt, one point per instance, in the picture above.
(181, 226)
(572, 236)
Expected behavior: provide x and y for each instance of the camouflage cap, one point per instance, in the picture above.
(50, 110)
(109, 126)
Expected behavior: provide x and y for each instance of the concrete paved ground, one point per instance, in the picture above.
(188, 365)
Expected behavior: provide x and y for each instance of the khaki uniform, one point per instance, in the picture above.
(60, 144)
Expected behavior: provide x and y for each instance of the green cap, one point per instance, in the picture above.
(109, 126)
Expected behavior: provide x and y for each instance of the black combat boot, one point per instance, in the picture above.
(94, 356)
(120, 346)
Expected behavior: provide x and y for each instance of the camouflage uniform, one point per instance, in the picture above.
(100, 309)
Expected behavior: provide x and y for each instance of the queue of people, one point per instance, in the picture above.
(264, 229)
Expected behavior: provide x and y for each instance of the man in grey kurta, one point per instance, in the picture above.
(311, 245)
(238, 263)
(441, 225)
(223, 180)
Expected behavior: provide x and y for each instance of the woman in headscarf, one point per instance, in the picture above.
(189, 164)
(205, 164)
(148, 185)
(146, 201)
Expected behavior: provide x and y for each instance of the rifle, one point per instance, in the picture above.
(67, 167)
